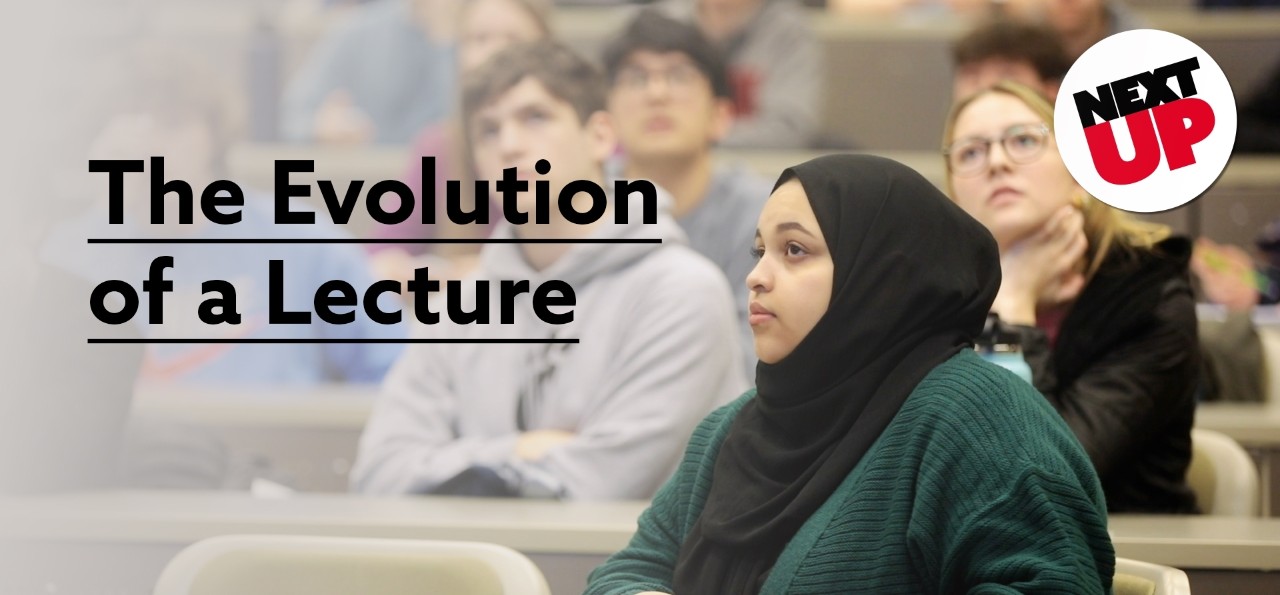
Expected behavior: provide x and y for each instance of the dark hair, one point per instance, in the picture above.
(566, 76)
(655, 32)
(1015, 40)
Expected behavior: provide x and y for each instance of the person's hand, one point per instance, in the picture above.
(1046, 268)
(533, 446)
(1226, 275)
(339, 121)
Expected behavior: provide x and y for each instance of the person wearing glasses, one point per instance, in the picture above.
(1103, 302)
(670, 100)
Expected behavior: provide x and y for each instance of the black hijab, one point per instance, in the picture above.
(914, 279)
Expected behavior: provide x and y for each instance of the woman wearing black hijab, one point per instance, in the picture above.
(878, 453)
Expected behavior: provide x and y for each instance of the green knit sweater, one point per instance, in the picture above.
(976, 486)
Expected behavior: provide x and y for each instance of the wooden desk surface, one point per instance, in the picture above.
(530, 526)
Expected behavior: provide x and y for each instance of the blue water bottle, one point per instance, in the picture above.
(1002, 346)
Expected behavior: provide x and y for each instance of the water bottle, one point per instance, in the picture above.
(1002, 346)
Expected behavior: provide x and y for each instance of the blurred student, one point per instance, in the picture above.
(669, 99)
(1233, 279)
(1081, 23)
(1259, 128)
(378, 78)
(775, 68)
(879, 454)
(485, 27)
(175, 107)
(1102, 302)
(1004, 49)
(605, 418)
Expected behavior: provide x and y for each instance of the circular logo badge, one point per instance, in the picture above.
(1145, 121)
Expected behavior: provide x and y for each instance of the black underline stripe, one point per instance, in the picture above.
(324, 341)
(369, 241)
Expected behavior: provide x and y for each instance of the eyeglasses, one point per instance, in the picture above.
(1022, 144)
(679, 79)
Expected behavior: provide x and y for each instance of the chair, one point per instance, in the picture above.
(1222, 475)
(1270, 338)
(298, 565)
(1144, 578)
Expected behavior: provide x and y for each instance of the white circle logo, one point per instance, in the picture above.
(1145, 121)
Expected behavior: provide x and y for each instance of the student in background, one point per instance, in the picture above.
(839, 474)
(173, 106)
(605, 418)
(1232, 349)
(378, 78)
(1081, 23)
(775, 68)
(1259, 128)
(1002, 49)
(1103, 302)
(1268, 243)
(669, 99)
(485, 27)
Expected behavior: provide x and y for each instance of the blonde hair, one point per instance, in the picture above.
(1105, 227)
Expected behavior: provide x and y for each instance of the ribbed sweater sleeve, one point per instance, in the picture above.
(647, 563)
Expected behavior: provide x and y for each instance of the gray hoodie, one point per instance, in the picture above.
(658, 351)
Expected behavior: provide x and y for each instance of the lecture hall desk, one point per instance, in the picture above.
(119, 541)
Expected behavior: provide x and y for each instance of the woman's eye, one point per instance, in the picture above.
(486, 132)
(794, 249)
(1024, 140)
(757, 252)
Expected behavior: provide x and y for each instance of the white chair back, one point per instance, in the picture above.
(305, 565)
(1144, 578)
(1222, 475)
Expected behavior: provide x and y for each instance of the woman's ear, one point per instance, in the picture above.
(601, 136)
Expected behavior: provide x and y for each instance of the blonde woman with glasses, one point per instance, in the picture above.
(1103, 302)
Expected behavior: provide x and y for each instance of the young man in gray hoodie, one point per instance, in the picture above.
(605, 418)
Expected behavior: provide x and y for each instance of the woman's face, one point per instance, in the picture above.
(791, 283)
(1012, 199)
(488, 26)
